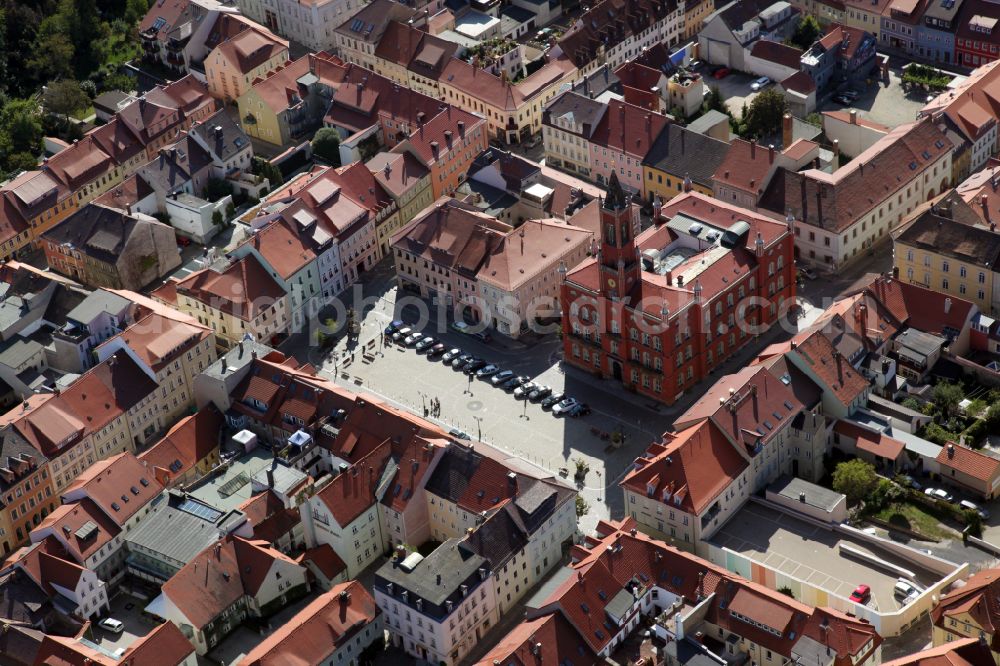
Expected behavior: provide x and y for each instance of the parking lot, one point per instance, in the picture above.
(128, 610)
(812, 554)
(889, 104)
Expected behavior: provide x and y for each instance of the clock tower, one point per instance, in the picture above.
(617, 254)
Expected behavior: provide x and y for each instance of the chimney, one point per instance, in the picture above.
(447, 138)
(434, 148)
(218, 131)
(947, 305)
(951, 450)
(854, 116)
(984, 202)
(461, 129)
(770, 154)
(753, 149)
(270, 477)
(512, 482)
(836, 154)
(786, 130)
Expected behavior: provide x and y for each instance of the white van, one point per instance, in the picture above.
(904, 589)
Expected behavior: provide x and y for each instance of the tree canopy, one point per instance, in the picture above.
(763, 116)
(326, 145)
(806, 32)
(856, 479)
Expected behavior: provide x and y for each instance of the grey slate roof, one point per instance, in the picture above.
(18, 351)
(230, 140)
(178, 534)
(499, 538)
(98, 301)
(452, 563)
(680, 151)
(580, 108)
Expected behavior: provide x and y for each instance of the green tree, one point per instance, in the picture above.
(582, 507)
(856, 479)
(216, 188)
(63, 98)
(947, 396)
(716, 100)
(82, 23)
(806, 32)
(326, 145)
(21, 133)
(763, 117)
(135, 10)
(53, 55)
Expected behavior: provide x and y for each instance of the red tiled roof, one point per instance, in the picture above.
(121, 486)
(557, 640)
(881, 445)
(66, 519)
(165, 645)
(157, 339)
(979, 597)
(353, 491)
(743, 405)
(745, 167)
(325, 559)
(776, 52)
(971, 463)
(629, 129)
(190, 441)
(694, 466)
(220, 575)
(282, 249)
(963, 652)
(921, 308)
(251, 48)
(319, 629)
(831, 368)
(244, 289)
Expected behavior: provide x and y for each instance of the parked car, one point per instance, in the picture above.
(413, 338)
(581, 409)
(808, 273)
(938, 493)
(861, 594)
(540, 393)
(112, 625)
(460, 327)
(522, 391)
(393, 327)
(426, 343)
(760, 83)
(904, 589)
(561, 408)
(512, 383)
(436, 350)
(850, 94)
(909, 482)
(459, 434)
(720, 72)
(402, 333)
(451, 354)
(501, 377)
(460, 360)
(553, 400)
(474, 366)
(842, 100)
(695, 64)
(972, 506)
(487, 371)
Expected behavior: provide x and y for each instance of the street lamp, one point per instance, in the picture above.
(479, 426)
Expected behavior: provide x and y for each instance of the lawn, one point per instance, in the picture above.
(916, 518)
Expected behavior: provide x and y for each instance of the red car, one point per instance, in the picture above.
(721, 73)
(861, 594)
